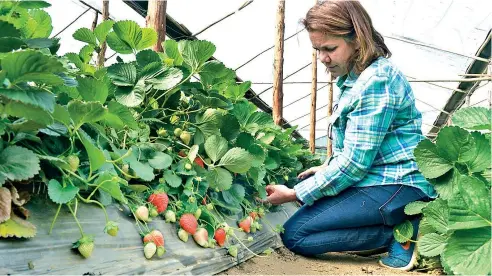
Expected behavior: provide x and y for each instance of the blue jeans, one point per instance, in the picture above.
(354, 220)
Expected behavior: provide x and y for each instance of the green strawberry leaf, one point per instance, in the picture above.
(131, 96)
(167, 79)
(403, 231)
(482, 159)
(172, 52)
(119, 116)
(129, 32)
(474, 118)
(33, 4)
(216, 147)
(110, 183)
(96, 155)
(149, 38)
(117, 44)
(160, 161)
(101, 31)
(38, 25)
(86, 53)
(447, 185)
(86, 112)
(9, 30)
(219, 178)
(455, 144)
(122, 74)
(9, 44)
(59, 194)
(431, 244)
(92, 90)
(468, 252)
(31, 65)
(415, 208)
(437, 215)
(229, 127)
(17, 164)
(258, 154)
(237, 160)
(196, 53)
(430, 163)
(85, 35)
(39, 98)
(147, 57)
(172, 179)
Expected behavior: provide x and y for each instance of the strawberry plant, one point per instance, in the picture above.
(104, 135)
(457, 225)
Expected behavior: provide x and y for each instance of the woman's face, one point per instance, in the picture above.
(333, 52)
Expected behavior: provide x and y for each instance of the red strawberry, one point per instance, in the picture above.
(201, 237)
(220, 236)
(189, 223)
(253, 215)
(159, 200)
(204, 200)
(199, 162)
(155, 236)
(245, 224)
(182, 153)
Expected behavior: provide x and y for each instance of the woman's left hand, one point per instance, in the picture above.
(278, 194)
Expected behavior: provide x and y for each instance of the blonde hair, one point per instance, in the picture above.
(349, 20)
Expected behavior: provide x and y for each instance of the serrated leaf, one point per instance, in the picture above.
(111, 184)
(85, 35)
(242, 110)
(143, 170)
(474, 118)
(149, 38)
(455, 144)
(267, 138)
(61, 115)
(229, 128)
(86, 112)
(237, 160)
(403, 231)
(245, 140)
(213, 101)
(437, 215)
(428, 160)
(172, 179)
(9, 30)
(123, 74)
(92, 90)
(415, 208)
(17, 227)
(39, 98)
(468, 252)
(40, 43)
(9, 44)
(96, 156)
(117, 44)
(101, 31)
(219, 178)
(216, 147)
(446, 185)
(258, 154)
(34, 4)
(431, 244)
(236, 92)
(129, 32)
(261, 118)
(196, 53)
(131, 96)
(86, 53)
(59, 194)
(29, 112)
(23, 64)
(476, 197)
(482, 159)
(160, 161)
(38, 25)
(167, 79)
(147, 57)
(17, 164)
(119, 116)
(171, 49)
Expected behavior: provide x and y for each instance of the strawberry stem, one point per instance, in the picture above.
(247, 248)
(76, 220)
(54, 219)
(97, 203)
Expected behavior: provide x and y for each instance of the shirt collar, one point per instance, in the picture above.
(347, 80)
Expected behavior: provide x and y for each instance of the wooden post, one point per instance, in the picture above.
(329, 151)
(94, 23)
(314, 87)
(101, 58)
(278, 65)
(156, 19)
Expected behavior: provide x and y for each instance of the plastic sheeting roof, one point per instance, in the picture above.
(456, 26)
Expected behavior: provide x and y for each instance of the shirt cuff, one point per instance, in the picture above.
(303, 191)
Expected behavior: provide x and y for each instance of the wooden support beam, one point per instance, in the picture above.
(312, 130)
(156, 19)
(278, 94)
(94, 23)
(101, 57)
(329, 150)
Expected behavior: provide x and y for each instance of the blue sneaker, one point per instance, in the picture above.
(402, 256)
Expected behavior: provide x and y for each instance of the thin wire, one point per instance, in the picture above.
(258, 94)
(302, 116)
(244, 5)
(266, 50)
(71, 23)
(305, 96)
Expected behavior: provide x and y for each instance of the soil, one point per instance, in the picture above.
(284, 262)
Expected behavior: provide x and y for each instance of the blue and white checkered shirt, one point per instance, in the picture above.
(375, 129)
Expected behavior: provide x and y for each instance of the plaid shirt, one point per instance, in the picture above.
(374, 129)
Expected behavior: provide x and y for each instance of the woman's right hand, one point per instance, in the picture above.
(305, 174)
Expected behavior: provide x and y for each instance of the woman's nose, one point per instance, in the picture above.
(324, 57)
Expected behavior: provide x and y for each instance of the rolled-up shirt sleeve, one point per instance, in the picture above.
(371, 115)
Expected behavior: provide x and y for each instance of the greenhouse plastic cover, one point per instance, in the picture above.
(457, 26)
(123, 254)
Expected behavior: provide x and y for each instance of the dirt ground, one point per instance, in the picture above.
(284, 262)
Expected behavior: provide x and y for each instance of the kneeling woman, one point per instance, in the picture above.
(353, 201)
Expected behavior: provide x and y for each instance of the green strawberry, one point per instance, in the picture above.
(198, 213)
(111, 228)
(188, 166)
(185, 136)
(73, 161)
(177, 132)
(85, 245)
(183, 235)
(149, 250)
(232, 250)
(170, 216)
(162, 132)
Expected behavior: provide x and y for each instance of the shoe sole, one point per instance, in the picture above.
(408, 267)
